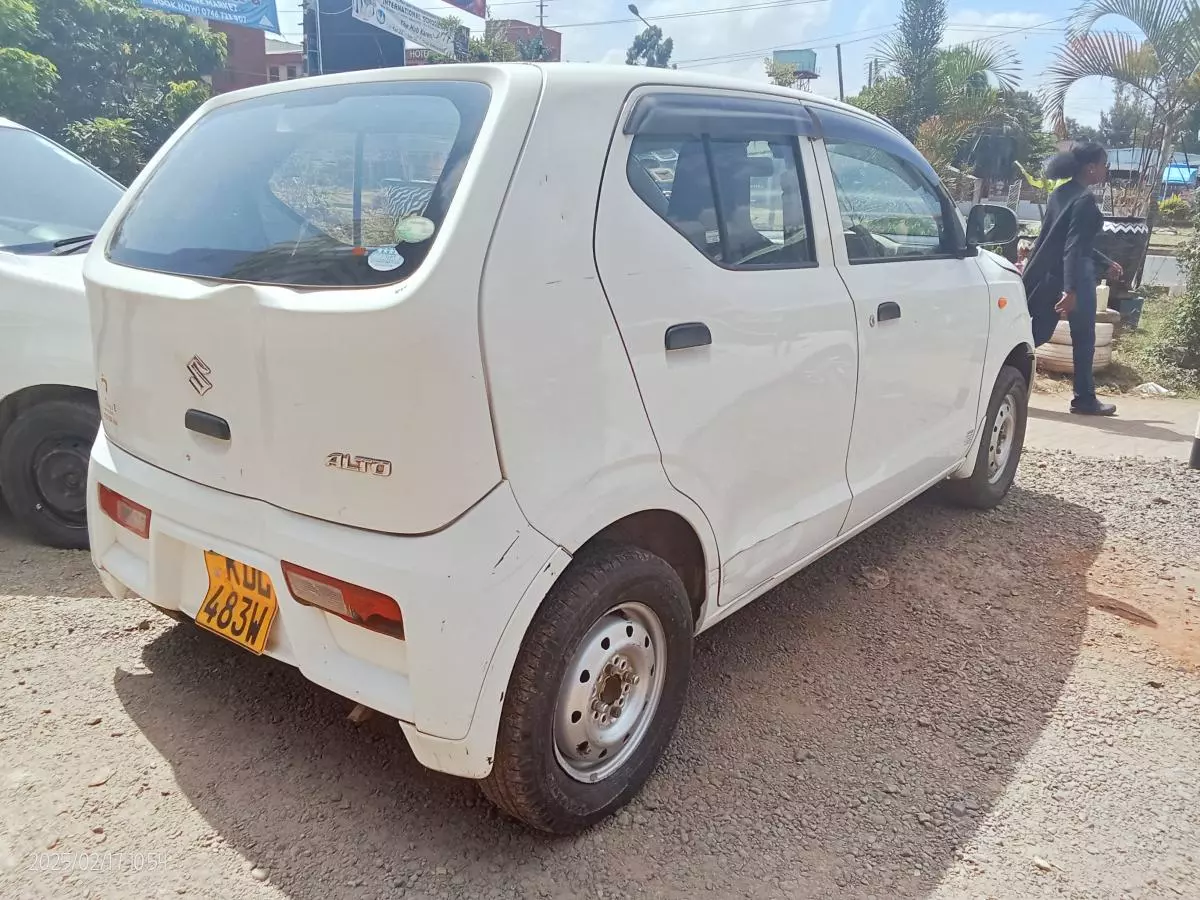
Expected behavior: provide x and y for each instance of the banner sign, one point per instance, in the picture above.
(474, 7)
(407, 21)
(260, 14)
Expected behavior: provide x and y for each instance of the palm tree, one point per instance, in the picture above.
(963, 90)
(1164, 68)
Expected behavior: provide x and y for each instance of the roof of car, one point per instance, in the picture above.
(581, 73)
(9, 123)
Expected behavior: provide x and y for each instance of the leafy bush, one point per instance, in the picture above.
(1175, 350)
(1174, 211)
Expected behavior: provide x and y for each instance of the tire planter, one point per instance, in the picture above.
(1054, 357)
(1062, 334)
(1126, 240)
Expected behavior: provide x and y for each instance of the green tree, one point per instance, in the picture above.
(913, 54)
(113, 145)
(650, 49)
(1127, 123)
(533, 50)
(1163, 71)
(27, 83)
(1078, 132)
(780, 74)
(105, 75)
(964, 90)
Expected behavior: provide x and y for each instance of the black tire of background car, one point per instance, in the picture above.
(977, 491)
(67, 423)
(526, 780)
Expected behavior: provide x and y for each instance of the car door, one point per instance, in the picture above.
(739, 330)
(922, 312)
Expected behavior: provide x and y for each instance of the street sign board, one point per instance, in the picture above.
(259, 14)
(407, 21)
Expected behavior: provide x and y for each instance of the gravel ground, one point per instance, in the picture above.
(954, 705)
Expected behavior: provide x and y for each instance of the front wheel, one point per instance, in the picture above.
(596, 692)
(999, 447)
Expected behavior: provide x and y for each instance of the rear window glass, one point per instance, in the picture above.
(341, 186)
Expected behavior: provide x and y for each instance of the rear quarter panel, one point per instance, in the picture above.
(572, 433)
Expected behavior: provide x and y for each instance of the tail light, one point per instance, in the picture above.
(125, 512)
(360, 605)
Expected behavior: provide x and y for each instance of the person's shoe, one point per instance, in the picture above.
(1094, 408)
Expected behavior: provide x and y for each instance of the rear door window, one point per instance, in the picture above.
(343, 186)
(757, 215)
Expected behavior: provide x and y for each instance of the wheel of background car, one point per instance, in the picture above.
(596, 692)
(1000, 446)
(43, 470)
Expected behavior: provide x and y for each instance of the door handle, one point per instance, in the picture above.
(207, 424)
(688, 334)
(887, 311)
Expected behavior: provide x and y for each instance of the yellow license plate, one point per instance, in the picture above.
(240, 604)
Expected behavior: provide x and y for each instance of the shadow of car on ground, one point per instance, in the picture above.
(843, 736)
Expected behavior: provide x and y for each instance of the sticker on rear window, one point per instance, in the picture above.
(413, 230)
(384, 259)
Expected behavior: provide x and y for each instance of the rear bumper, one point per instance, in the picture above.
(458, 590)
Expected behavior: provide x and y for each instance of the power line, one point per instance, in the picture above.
(742, 7)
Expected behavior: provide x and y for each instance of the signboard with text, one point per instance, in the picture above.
(407, 21)
(260, 14)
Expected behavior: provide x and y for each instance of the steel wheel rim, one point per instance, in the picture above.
(610, 692)
(1002, 438)
(60, 477)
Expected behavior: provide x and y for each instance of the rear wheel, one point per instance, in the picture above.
(43, 470)
(596, 692)
(1000, 446)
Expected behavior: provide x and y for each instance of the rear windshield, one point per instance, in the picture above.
(341, 186)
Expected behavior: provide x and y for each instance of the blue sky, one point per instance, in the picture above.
(732, 36)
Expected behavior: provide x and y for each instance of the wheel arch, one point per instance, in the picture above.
(668, 535)
(661, 530)
(12, 405)
(1021, 359)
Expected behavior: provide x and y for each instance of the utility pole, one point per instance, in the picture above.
(541, 16)
(841, 85)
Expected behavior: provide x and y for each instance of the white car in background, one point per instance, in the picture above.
(51, 204)
(490, 464)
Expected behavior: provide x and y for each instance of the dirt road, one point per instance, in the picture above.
(955, 705)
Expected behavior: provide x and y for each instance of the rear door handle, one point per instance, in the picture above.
(688, 334)
(207, 424)
(887, 311)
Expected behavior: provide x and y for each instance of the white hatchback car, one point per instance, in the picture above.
(51, 204)
(476, 392)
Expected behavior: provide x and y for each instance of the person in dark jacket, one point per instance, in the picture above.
(1060, 275)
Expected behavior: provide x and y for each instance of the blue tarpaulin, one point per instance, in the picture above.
(259, 14)
(1179, 175)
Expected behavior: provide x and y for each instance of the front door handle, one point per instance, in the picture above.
(688, 334)
(887, 311)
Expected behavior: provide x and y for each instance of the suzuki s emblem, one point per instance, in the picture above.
(199, 371)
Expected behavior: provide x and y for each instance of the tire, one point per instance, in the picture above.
(43, 470)
(985, 489)
(1062, 334)
(1059, 358)
(574, 635)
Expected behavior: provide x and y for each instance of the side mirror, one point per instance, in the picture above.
(990, 224)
